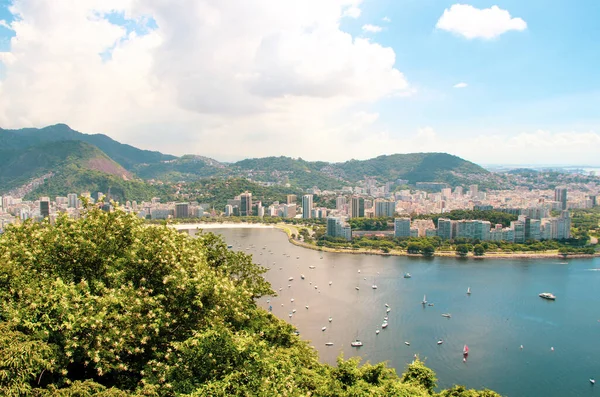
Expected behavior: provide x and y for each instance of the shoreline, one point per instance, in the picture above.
(292, 229)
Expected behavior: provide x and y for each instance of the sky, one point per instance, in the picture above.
(494, 82)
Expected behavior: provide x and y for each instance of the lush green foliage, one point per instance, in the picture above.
(108, 306)
(75, 179)
(185, 168)
(369, 224)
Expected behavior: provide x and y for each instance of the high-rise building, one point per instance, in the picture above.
(519, 230)
(289, 210)
(182, 210)
(384, 208)
(358, 207)
(473, 190)
(340, 203)
(560, 195)
(73, 201)
(445, 229)
(228, 210)
(402, 227)
(291, 199)
(307, 205)
(246, 204)
(44, 207)
(336, 227)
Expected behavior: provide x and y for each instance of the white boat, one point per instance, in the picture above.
(290, 315)
(291, 278)
(356, 288)
(469, 291)
(386, 305)
(356, 343)
(316, 287)
(384, 325)
(385, 318)
(291, 300)
(439, 342)
(306, 307)
(388, 310)
(302, 276)
(592, 381)
(294, 311)
(447, 315)
(424, 302)
(297, 257)
(330, 319)
(311, 267)
(331, 282)
(407, 343)
(547, 295)
(407, 275)
(323, 329)
(374, 286)
(329, 344)
(359, 270)
(376, 332)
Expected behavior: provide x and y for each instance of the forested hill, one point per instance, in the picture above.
(126, 155)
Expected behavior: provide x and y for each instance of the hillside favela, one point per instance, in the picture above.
(319, 198)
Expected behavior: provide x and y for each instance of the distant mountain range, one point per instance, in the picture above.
(88, 162)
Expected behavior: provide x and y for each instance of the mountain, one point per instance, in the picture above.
(414, 167)
(126, 155)
(185, 168)
(19, 167)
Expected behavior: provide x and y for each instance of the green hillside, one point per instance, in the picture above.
(415, 167)
(76, 179)
(185, 168)
(296, 172)
(126, 155)
(17, 167)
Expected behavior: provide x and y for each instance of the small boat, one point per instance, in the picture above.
(377, 332)
(316, 287)
(330, 319)
(311, 267)
(290, 315)
(294, 311)
(291, 279)
(359, 270)
(329, 344)
(430, 304)
(230, 246)
(465, 350)
(302, 276)
(386, 305)
(547, 295)
(407, 275)
(388, 310)
(291, 300)
(331, 282)
(424, 302)
(374, 286)
(296, 333)
(356, 343)
(592, 381)
(407, 343)
(323, 329)
(469, 291)
(439, 342)
(447, 315)
(306, 307)
(384, 325)
(297, 257)
(356, 288)
(385, 318)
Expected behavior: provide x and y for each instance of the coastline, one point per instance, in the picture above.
(291, 229)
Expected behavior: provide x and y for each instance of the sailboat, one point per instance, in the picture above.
(469, 291)
(424, 300)
(466, 350)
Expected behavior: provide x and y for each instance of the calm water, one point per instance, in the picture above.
(502, 313)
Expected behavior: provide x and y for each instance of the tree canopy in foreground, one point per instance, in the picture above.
(108, 306)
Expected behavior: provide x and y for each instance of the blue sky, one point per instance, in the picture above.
(531, 92)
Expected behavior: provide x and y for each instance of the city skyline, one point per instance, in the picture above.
(486, 81)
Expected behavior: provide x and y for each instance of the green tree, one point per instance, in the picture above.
(462, 250)
(479, 250)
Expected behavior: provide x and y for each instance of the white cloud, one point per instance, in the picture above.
(215, 78)
(371, 28)
(460, 85)
(470, 22)
(5, 24)
(386, 19)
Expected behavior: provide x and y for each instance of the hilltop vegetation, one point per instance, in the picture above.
(106, 306)
(18, 167)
